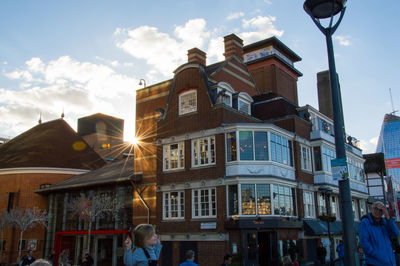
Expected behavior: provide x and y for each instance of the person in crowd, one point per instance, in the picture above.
(146, 249)
(63, 259)
(287, 261)
(227, 260)
(340, 251)
(41, 262)
(28, 259)
(87, 260)
(189, 258)
(321, 253)
(375, 233)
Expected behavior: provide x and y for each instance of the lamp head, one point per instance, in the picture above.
(140, 83)
(323, 8)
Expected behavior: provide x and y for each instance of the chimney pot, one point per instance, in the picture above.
(196, 55)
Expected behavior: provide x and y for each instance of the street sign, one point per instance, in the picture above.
(339, 169)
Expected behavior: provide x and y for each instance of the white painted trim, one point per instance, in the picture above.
(226, 129)
(42, 170)
(239, 69)
(238, 77)
(186, 66)
(209, 203)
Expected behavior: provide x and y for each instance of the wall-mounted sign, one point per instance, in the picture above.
(212, 225)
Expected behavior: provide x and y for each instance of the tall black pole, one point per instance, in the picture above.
(344, 185)
(349, 240)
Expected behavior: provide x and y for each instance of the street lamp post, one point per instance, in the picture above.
(320, 9)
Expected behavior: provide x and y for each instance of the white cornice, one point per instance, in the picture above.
(42, 170)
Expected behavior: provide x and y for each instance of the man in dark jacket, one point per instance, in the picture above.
(375, 233)
(321, 253)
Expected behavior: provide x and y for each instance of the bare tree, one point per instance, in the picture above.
(91, 208)
(27, 218)
(4, 223)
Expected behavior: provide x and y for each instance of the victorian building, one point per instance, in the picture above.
(233, 163)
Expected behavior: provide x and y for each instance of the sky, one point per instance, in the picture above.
(86, 57)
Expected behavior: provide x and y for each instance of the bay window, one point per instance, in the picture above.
(256, 199)
(281, 149)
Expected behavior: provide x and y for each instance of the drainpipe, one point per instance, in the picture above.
(142, 200)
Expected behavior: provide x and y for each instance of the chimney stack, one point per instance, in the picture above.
(197, 56)
(325, 94)
(233, 46)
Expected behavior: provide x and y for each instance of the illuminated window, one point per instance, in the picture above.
(173, 156)
(188, 102)
(203, 151)
(174, 205)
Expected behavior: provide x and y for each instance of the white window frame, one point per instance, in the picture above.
(244, 98)
(355, 210)
(321, 204)
(210, 203)
(310, 205)
(189, 108)
(305, 158)
(181, 151)
(181, 209)
(210, 151)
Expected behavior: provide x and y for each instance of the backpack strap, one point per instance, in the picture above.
(146, 253)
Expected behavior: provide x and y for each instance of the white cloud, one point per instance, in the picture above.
(262, 27)
(268, 2)
(160, 50)
(81, 88)
(164, 52)
(235, 15)
(343, 40)
(369, 146)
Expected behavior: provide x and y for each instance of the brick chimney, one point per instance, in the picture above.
(233, 46)
(196, 55)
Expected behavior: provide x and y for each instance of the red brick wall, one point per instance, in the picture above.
(25, 185)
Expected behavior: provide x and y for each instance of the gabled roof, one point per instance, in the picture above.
(50, 144)
(121, 171)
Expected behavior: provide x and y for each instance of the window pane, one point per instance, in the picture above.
(263, 199)
(212, 148)
(166, 157)
(233, 199)
(181, 155)
(195, 152)
(246, 145)
(261, 145)
(231, 149)
(174, 156)
(248, 200)
(317, 159)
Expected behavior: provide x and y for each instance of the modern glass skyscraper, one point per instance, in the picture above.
(389, 145)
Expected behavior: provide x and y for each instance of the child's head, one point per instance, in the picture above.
(144, 235)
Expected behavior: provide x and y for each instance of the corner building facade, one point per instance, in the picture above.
(221, 153)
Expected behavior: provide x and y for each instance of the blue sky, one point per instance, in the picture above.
(88, 56)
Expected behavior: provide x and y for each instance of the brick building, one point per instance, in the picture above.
(232, 164)
(46, 154)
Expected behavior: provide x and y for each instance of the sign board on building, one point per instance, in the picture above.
(339, 169)
(392, 163)
(208, 225)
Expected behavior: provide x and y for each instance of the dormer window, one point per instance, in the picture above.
(243, 103)
(224, 93)
(188, 102)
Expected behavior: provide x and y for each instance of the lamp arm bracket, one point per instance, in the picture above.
(328, 30)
